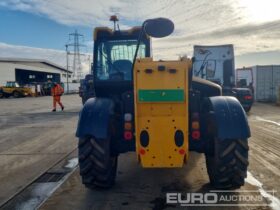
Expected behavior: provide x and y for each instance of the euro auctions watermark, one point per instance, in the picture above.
(219, 198)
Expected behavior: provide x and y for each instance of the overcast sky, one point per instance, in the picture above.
(39, 28)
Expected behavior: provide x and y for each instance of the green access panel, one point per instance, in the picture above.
(168, 95)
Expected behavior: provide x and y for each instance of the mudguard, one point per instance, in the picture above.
(94, 118)
(229, 118)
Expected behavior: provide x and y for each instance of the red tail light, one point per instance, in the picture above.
(142, 151)
(195, 132)
(196, 135)
(182, 151)
(128, 135)
(248, 97)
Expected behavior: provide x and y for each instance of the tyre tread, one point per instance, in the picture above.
(227, 168)
(97, 167)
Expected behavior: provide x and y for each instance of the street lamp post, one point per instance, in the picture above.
(67, 68)
(89, 62)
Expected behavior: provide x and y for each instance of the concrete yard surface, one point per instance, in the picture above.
(35, 142)
(138, 188)
(33, 139)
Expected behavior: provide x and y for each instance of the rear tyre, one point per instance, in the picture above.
(247, 109)
(84, 100)
(97, 166)
(16, 94)
(227, 163)
(1, 94)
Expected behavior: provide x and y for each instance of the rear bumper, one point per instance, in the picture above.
(247, 105)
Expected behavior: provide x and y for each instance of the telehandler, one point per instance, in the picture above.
(157, 109)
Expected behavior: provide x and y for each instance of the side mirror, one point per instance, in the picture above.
(158, 27)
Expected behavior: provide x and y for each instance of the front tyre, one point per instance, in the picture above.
(227, 163)
(97, 166)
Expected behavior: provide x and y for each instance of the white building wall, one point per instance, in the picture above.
(35, 64)
(7, 73)
(34, 68)
(63, 77)
(73, 87)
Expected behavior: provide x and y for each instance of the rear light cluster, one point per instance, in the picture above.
(248, 97)
(182, 152)
(128, 135)
(195, 127)
(142, 151)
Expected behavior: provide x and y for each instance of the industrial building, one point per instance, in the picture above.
(29, 71)
(265, 80)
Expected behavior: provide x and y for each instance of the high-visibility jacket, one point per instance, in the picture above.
(57, 90)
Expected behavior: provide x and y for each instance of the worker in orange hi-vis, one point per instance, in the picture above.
(57, 92)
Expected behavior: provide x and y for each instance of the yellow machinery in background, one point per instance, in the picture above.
(15, 90)
(161, 112)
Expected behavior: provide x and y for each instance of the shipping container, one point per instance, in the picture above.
(265, 79)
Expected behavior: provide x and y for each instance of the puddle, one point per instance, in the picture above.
(72, 163)
(274, 201)
(269, 121)
(38, 192)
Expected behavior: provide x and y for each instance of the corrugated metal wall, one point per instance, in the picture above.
(267, 82)
(276, 81)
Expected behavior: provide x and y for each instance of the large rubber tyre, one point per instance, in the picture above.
(16, 94)
(84, 100)
(247, 109)
(227, 163)
(97, 166)
(2, 94)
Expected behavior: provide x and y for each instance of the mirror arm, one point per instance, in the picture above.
(191, 73)
(138, 44)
